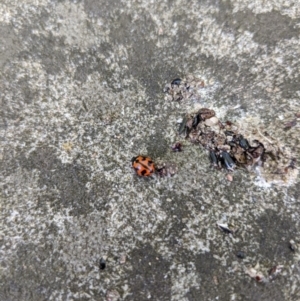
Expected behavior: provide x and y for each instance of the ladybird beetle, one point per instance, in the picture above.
(143, 166)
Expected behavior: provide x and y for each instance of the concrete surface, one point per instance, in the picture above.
(82, 93)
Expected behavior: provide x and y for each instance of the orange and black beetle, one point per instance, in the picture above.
(143, 166)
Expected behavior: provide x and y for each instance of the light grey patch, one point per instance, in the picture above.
(65, 182)
(148, 283)
(9, 43)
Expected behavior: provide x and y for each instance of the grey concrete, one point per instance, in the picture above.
(81, 94)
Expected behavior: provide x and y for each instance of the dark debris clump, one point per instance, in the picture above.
(227, 147)
(240, 144)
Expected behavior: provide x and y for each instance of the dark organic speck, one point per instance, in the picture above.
(240, 254)
(102, 264)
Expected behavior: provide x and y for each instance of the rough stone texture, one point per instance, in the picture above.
(81, 94)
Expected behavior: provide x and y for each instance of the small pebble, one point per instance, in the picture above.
(229, 177)
(112, 295)
(216, 281)
(211, 121)
(122, 259)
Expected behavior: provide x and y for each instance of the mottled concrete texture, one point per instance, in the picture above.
(81, 87)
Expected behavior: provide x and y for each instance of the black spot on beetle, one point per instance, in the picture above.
(143, 172)
(150, 163)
